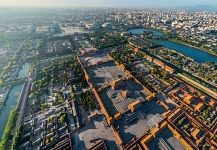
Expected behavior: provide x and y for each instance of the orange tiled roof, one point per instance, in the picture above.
(195, 132)
(199, 106)
(188, 99)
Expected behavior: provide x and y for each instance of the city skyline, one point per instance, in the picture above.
(107, 3)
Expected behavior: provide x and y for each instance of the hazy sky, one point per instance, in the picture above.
(106, 3)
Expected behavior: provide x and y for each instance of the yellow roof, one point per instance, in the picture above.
(188, 98)
(199, 106)
(134, 103)
(195, 132)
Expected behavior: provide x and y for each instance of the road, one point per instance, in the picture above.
(23, 98)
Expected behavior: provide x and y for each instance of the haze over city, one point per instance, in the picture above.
(106, 3)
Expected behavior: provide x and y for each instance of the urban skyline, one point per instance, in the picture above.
(107, 3)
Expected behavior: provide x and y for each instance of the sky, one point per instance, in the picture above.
(106, 3)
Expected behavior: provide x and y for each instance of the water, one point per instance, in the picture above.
(12, 98)
(198, 55)
(23, 71)
(141, 30)
(11, 102)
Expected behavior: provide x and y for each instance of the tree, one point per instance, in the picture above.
(51, 139)
(62, 118)
(47, 141)
(6, 137)
(71, 90)
(32, 96)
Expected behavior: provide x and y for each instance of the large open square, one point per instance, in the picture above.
(101, 69)
(136, 124)
(103, 74)
(93, 131)
(165, 140)
(119, 99)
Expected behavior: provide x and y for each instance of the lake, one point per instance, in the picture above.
(197, 54)
(24, 70)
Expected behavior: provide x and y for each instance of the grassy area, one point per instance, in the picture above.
(7, 137)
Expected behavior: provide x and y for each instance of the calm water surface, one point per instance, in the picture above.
(198, 55)
(10, 102)
(13, 97)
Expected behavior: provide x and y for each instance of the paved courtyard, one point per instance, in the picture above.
(165, 140)
(94, 130)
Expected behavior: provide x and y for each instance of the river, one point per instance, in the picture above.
(12, 98)
(23, 71)
(198, 55)
(10, 102)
